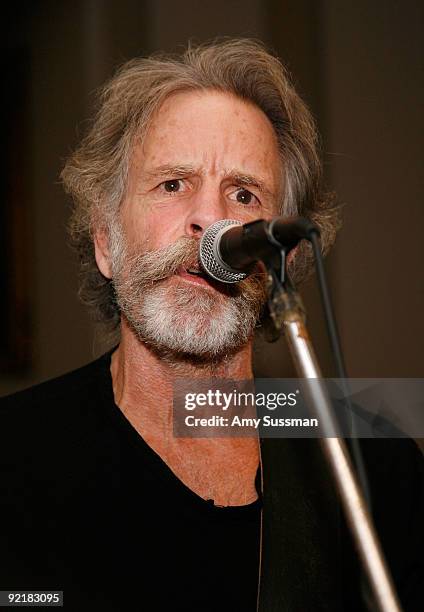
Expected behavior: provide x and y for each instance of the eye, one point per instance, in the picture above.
(244, 197)
(172, 186)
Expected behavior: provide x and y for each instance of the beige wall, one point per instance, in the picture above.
(374, 97)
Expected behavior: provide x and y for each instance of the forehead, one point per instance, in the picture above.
(212, 130)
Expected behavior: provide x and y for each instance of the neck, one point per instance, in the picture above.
(143, 380)
(222, 469)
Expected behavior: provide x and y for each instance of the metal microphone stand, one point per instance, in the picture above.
(288, 315)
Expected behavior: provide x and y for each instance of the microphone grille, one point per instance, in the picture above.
(209, 255)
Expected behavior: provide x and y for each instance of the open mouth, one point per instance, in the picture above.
(195, 274)
(195, 271)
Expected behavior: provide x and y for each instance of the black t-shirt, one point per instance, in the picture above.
(89, 508)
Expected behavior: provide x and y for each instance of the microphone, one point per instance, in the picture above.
(228, 250)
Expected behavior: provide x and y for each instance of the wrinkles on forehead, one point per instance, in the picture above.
(211, 135)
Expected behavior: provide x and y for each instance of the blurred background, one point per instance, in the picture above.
(359, 67)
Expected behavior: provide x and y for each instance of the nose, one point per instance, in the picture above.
(206, 207)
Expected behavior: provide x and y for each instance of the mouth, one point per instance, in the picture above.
(195, 271)
(195, 275)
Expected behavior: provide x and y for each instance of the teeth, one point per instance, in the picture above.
(193, 271)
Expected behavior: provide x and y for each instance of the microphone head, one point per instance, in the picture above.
(210, 257)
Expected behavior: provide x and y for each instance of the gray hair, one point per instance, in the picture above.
(96, 173)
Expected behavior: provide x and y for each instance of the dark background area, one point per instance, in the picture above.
(358, 65)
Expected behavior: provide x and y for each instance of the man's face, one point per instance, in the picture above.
(206, 156)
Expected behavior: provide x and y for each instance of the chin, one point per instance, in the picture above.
(207, 334)
(190, 321)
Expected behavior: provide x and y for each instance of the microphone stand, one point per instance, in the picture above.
(288, 315)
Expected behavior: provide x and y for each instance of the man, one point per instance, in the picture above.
(101, 500)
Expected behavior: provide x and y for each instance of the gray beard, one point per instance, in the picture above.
(178, 320)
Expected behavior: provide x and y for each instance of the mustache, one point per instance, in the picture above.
(151, 267)
(162, 263)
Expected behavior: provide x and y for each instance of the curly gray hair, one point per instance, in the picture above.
(96, 173)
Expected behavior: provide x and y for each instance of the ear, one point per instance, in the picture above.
(101, 249)
(292, 255)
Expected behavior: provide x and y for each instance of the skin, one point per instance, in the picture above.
(206, 156)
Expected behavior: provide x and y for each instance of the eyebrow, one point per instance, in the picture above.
(182, 170)
(248, 180)
(169, 170)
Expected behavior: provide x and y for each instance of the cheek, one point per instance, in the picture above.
(247, 215)
(154, 229)
(136, 229)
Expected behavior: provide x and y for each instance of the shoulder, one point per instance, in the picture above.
(394, 463)
(73, 389)
(54, 412)
(395, 470)
(63, 388)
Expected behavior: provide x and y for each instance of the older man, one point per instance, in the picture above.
(102, 501)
